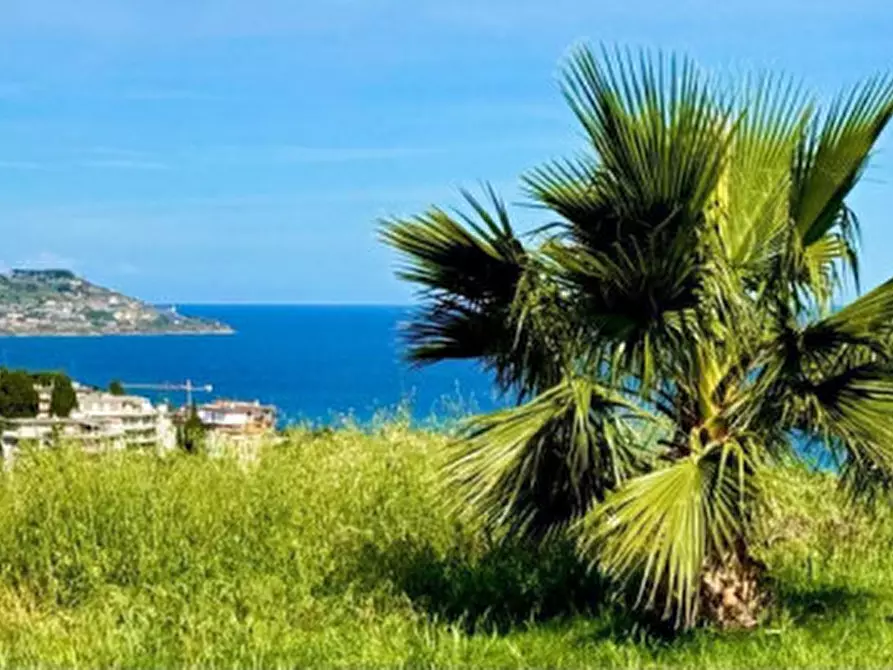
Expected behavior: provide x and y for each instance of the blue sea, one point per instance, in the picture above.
(315, 363)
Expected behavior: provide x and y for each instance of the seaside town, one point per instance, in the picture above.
(48, 302)
(111, 419)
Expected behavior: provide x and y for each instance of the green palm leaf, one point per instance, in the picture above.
(852, 410)
(484, 294)
(661, 527)
(869, 316)
(857, 333)
(535, 468)
(658, 139)
(475, 260)
(634, 214)
(833, 152)
(752, 197)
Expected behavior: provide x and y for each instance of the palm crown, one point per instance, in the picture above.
(675, 329)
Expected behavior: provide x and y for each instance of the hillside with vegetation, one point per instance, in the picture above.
(335, 549)
(58, 302)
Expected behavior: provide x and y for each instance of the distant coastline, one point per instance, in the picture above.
(58, 303)
(145, 333)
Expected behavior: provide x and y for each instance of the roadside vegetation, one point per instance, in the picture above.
(334, 549)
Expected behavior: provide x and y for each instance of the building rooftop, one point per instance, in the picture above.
(54, 421)
(237, 406)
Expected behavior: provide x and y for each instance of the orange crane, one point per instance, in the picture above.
(188, 387)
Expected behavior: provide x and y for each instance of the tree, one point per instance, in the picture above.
(18, 397)
(116, 388)
(191, 432)
(673, 333)
(63, 399)
(43, 378)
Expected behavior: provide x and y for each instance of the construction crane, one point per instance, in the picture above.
(188, 387)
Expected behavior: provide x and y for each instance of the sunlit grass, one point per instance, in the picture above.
(332, 550)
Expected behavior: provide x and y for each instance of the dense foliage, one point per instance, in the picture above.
(671, 333)
(18, 396)
(116, 388)
(63, 399)
(333, 551)
(191, 432)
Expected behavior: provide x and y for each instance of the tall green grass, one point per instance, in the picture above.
(331, 550)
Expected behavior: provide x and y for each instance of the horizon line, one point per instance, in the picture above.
(275, 303)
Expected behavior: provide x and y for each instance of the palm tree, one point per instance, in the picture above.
(672, 332)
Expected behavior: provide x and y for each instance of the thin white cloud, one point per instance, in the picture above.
(115, 152)
(511, 109)
(22, 165)
(46, 260)
(160, 95)
(306, 154)
(234, 155)
(300, 154)
(159, 19)
(125, 268)
(99, 158)
(124, 164)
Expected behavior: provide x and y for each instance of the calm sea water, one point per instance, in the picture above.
(313, 363)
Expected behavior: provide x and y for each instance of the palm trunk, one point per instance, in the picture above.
(733, 591)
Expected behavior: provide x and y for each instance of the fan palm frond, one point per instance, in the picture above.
(751, 200)
(832, 153)
(851, 410)
(477, 280)
(474, 260)
(539, 466)
(661, 527)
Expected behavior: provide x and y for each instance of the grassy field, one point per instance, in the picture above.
(332, 551)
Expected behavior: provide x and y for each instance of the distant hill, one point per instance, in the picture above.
(58, 302)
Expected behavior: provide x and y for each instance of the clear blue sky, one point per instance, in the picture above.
(242, 150)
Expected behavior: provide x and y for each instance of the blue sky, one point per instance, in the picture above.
(242, 151)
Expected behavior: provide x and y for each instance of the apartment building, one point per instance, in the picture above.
(100, 420)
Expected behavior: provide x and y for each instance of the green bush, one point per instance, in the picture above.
(192, 434)
(63, 399)
(18, 397)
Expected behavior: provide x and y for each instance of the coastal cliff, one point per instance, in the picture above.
(58, 302)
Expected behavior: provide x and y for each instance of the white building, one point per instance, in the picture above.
(231, 416)
(44, 397)
(100, 420)
(139, 422)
